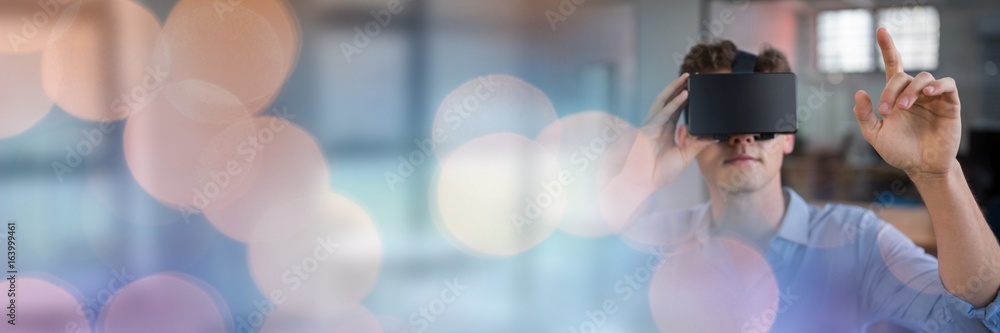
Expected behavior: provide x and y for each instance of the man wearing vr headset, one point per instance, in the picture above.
(847, 267)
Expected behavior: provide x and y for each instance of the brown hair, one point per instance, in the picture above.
(707, 57)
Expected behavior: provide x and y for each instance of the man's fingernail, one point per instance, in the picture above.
(929, 90)
(883, 107)
(904, 102)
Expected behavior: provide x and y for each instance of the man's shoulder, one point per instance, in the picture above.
(834, 212)
(839, 223)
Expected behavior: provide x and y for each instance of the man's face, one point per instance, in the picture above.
(742, 163)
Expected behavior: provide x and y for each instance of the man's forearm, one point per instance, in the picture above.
(968, 253)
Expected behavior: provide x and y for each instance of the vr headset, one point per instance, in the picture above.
(744, 102)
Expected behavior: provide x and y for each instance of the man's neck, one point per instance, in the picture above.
(752, 217)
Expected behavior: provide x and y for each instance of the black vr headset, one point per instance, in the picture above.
(744, 102)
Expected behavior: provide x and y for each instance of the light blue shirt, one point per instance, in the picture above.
(840, 268)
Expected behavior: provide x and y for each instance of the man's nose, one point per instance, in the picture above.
(741, 139)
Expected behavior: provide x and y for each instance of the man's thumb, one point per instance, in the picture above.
(865, 114)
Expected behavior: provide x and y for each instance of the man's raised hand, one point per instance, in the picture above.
(921, 127)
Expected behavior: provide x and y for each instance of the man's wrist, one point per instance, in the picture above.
(951, 174)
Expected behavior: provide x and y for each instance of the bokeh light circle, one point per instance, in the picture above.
(593, 147)
(22, 101)
(490, 104)
(27, 26)
(287, 164)
(228, 45)
(101, 68)
(44, 306)
(205, 102)
(323, 269)
(501, 194)
(165, 151)
(631, 184)
(689, 288)
(277, 12)
(167, 302)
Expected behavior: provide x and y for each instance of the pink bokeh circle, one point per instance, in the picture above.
(167, 303)
(323, 268)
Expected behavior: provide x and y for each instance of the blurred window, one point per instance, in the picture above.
(845, 41)
(846, 44)
(916, 32)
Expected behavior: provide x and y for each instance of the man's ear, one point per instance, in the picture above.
(788, 144)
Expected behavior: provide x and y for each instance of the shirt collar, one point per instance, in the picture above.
(795, 224)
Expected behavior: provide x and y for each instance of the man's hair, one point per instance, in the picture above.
(708, 57)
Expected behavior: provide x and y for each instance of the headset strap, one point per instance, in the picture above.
(744, 62)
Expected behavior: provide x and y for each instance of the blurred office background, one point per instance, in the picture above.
(105, 243)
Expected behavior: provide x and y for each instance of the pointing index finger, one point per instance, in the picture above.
(893, 63)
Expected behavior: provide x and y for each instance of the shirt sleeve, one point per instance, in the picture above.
(990, 314)
(901, 283)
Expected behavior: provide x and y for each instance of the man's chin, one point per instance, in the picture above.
(742, 178)
(739, 188)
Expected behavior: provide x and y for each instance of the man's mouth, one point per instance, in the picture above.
(741, 159)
